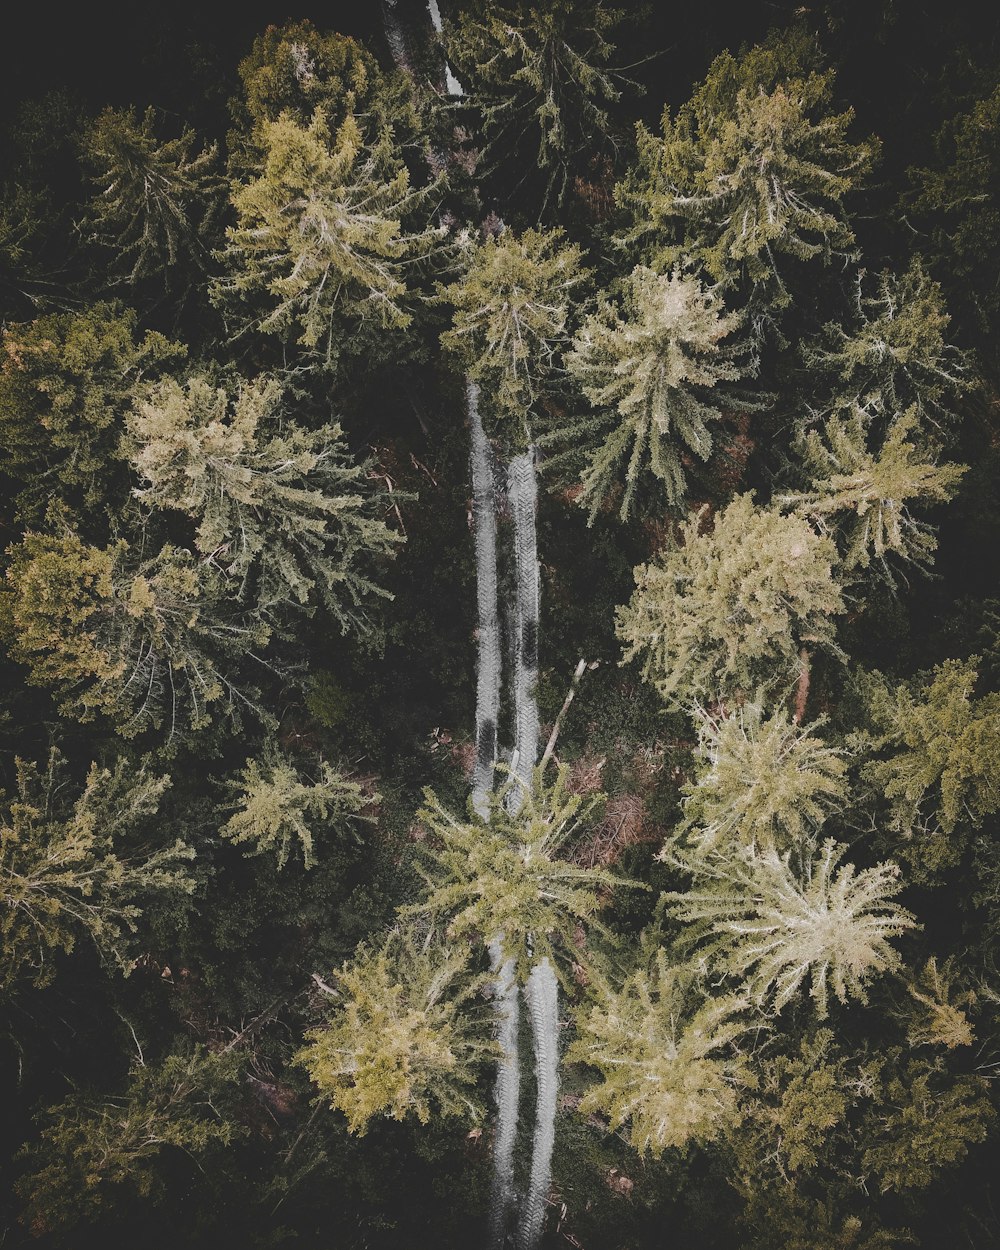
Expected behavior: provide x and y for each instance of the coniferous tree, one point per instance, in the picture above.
(751, 172)
(651, 375)
(937, 751)
(149, 642)
(279, 807)
(93, 1149)
(926, 1123)
(893, 356)
(537, 76)
(761, 780)
(807, 1113)
(778, 925)
(79, 867)
(406, 1036)
(952, 198)
(296, 68)
(666, 1053)
(505, 876)
(280, 510)
(154, 202)
(940, 1007)
(512, 306)
(327, 235)
(66, 383)
(731, 609)
(864, 496)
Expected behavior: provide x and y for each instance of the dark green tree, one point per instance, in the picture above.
(540, 81)
(94, 1149)
(155, 201)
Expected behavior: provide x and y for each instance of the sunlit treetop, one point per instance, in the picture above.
(939, 747)
(512, 305)
(280, 510)
(654, 371)
(409, 1032)
(670, 1070)
(506, 877)
(778, 922)
(328, 233)
(864, 494)
(751, 172)
(281, 805)
(296, 67)
(728, 610)
(940, 1004)
(66, 383)
(761, 780)
(149, 641)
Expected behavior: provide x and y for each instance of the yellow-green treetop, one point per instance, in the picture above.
(66, 382)
(278, 806)
(506, 877)
(408, 1034)
(775, 926)
(280, 510)
(512, 305)
(939, 746)
(863, 495)
(297, 69)
(665, 1050)
(760, 780)
(145, 641)
(729, 610)
(327, 233)
(73, 867)
(752, 170)
(650, 370)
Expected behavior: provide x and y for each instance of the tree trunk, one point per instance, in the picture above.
(542, 989)
(395, 36)
(506, 1093)
(489, 660)
(542, 995)
(522, 491)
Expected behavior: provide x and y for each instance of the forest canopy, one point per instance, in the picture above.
(500, 627)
